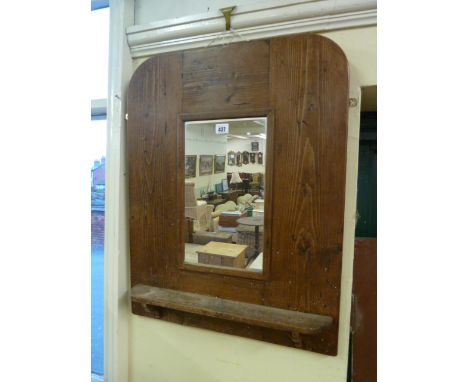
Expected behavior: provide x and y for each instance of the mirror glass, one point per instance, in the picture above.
(225, 163)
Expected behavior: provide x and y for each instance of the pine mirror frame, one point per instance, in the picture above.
(301, 83)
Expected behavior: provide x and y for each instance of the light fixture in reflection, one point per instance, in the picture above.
(237, 136)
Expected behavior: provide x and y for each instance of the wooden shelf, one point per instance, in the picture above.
(251, 314)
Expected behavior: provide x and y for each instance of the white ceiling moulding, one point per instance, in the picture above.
(250, 23)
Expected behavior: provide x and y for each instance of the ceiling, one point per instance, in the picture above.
(246, 128)
(240, 127)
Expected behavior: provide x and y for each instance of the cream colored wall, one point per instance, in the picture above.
(161, 351)
(360, 47)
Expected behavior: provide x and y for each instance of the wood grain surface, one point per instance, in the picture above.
(252, 314)
(364, 308)
(301, 84)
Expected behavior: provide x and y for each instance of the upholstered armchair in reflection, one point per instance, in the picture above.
(197, 210)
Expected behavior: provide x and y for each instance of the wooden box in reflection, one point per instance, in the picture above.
(222, 254)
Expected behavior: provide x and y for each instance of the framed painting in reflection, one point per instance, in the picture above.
(206, 164)
(190, 166)
(219, 163)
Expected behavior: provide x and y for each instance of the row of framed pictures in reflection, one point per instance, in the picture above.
(240, 158)
(207, 164)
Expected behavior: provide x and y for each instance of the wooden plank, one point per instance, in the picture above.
(309, 93)
(318, 341)
(259, 315)
(226, 77)
(154, 100)
(364, 316)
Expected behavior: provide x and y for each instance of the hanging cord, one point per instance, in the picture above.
(223, 36)
(231, 32)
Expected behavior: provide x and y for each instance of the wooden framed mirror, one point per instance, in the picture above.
(300, 85)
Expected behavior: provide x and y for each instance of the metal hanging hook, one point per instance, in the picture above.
(227, 12)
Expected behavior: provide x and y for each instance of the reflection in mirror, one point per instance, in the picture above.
(224, 193)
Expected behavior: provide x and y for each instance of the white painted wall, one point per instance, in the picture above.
(147, 11)
(161, 351)
(245, 145)
(201, 139)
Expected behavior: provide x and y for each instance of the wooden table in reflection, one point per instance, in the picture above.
(257, 222)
